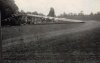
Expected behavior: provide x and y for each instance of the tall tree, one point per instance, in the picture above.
(51, 12)
(7, 7)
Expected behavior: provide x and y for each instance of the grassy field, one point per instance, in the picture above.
(79, 47)
(15, 31)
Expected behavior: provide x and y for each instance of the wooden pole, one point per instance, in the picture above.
(0, 40)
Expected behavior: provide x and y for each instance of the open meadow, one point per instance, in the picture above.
(16, 31)
(55, 43)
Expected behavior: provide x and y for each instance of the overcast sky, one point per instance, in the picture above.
(60, 6)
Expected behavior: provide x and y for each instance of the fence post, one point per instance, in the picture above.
(0, 40)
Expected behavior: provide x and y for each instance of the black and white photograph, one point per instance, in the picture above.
(50, 31)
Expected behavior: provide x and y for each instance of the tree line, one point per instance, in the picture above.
(8, 8)
(81, 16)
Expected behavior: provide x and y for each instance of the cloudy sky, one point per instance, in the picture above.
(60, 6)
